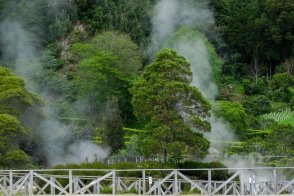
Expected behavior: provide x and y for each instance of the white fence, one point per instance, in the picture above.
(240, 181)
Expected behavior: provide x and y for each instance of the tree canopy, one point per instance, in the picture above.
(90, 62)
(175, 111)
(14, 98)
(261, 31)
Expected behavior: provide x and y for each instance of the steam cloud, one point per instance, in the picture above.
(20, 51)
(169, 16)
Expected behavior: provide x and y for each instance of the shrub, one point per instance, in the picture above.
(280, 86)
(143, 165)
(203, 174)
(252, 87)
(235, 114)
(257, 105)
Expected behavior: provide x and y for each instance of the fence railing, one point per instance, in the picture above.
(221, 181)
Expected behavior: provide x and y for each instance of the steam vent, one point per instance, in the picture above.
(146, 97)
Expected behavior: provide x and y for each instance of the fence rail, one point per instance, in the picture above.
(221, 181)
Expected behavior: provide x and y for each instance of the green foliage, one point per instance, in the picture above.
(129, 60)
(218, 175)
(280, 85)
(104, 65)
(275, 142)
(1, 4)
(95, 72)
(145, 165)
(128, 16)
(255, 87)
(118, 166)
(261, 31)
(162, 96)
(203, 175)
(283, 117)
(85, 9)
(10, 128)
(231, 89)
(257, 105)
(94, 165)
(96, 79)
(13, 94)
(190, 36)
(292, 103)
(127, 54)
(49, 60)
(286, 67)
(112, 129)
(278, 106)
(131, 146)
(16, 158)
(281, 141)
(90, 64)
(61, 16)
(235, 114)
(30, 14)
(13, 90)
(253, 145)
(13, 99)
(231, 93)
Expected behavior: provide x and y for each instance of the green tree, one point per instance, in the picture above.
(112, 129)
(14, 100)
(259, 86)
(14, 97)
(235, 114)
(257, 105)
(10, 128)
(85, 9)
(16, 158)
(105, 67)
(275, 142)
(128, 16)
(184, 41)
(61, 16)
(97, 79)
(129, 60)
(280, 85)
(128, 57)
(260, 31)
(281, 141)
(176, 112)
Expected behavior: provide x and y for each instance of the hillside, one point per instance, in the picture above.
(167, 81)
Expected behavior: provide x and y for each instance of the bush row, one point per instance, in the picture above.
(200, 174)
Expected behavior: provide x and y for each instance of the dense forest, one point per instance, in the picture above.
(168, 80)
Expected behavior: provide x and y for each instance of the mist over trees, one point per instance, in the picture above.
(163, 97)
(107, 75)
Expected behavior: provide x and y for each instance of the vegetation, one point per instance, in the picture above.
(90, 64)
(14, 99)
(163, 97)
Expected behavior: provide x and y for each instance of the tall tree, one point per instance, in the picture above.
(105, 66)
(175, 111)
(14, 100)
(260, 30)
(112, 130)
(128, 16)
(129, 60)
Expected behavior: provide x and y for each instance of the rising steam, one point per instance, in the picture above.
(21, 52)
(169, 17)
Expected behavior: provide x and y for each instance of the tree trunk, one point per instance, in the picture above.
(164, 154)
(255, 68)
